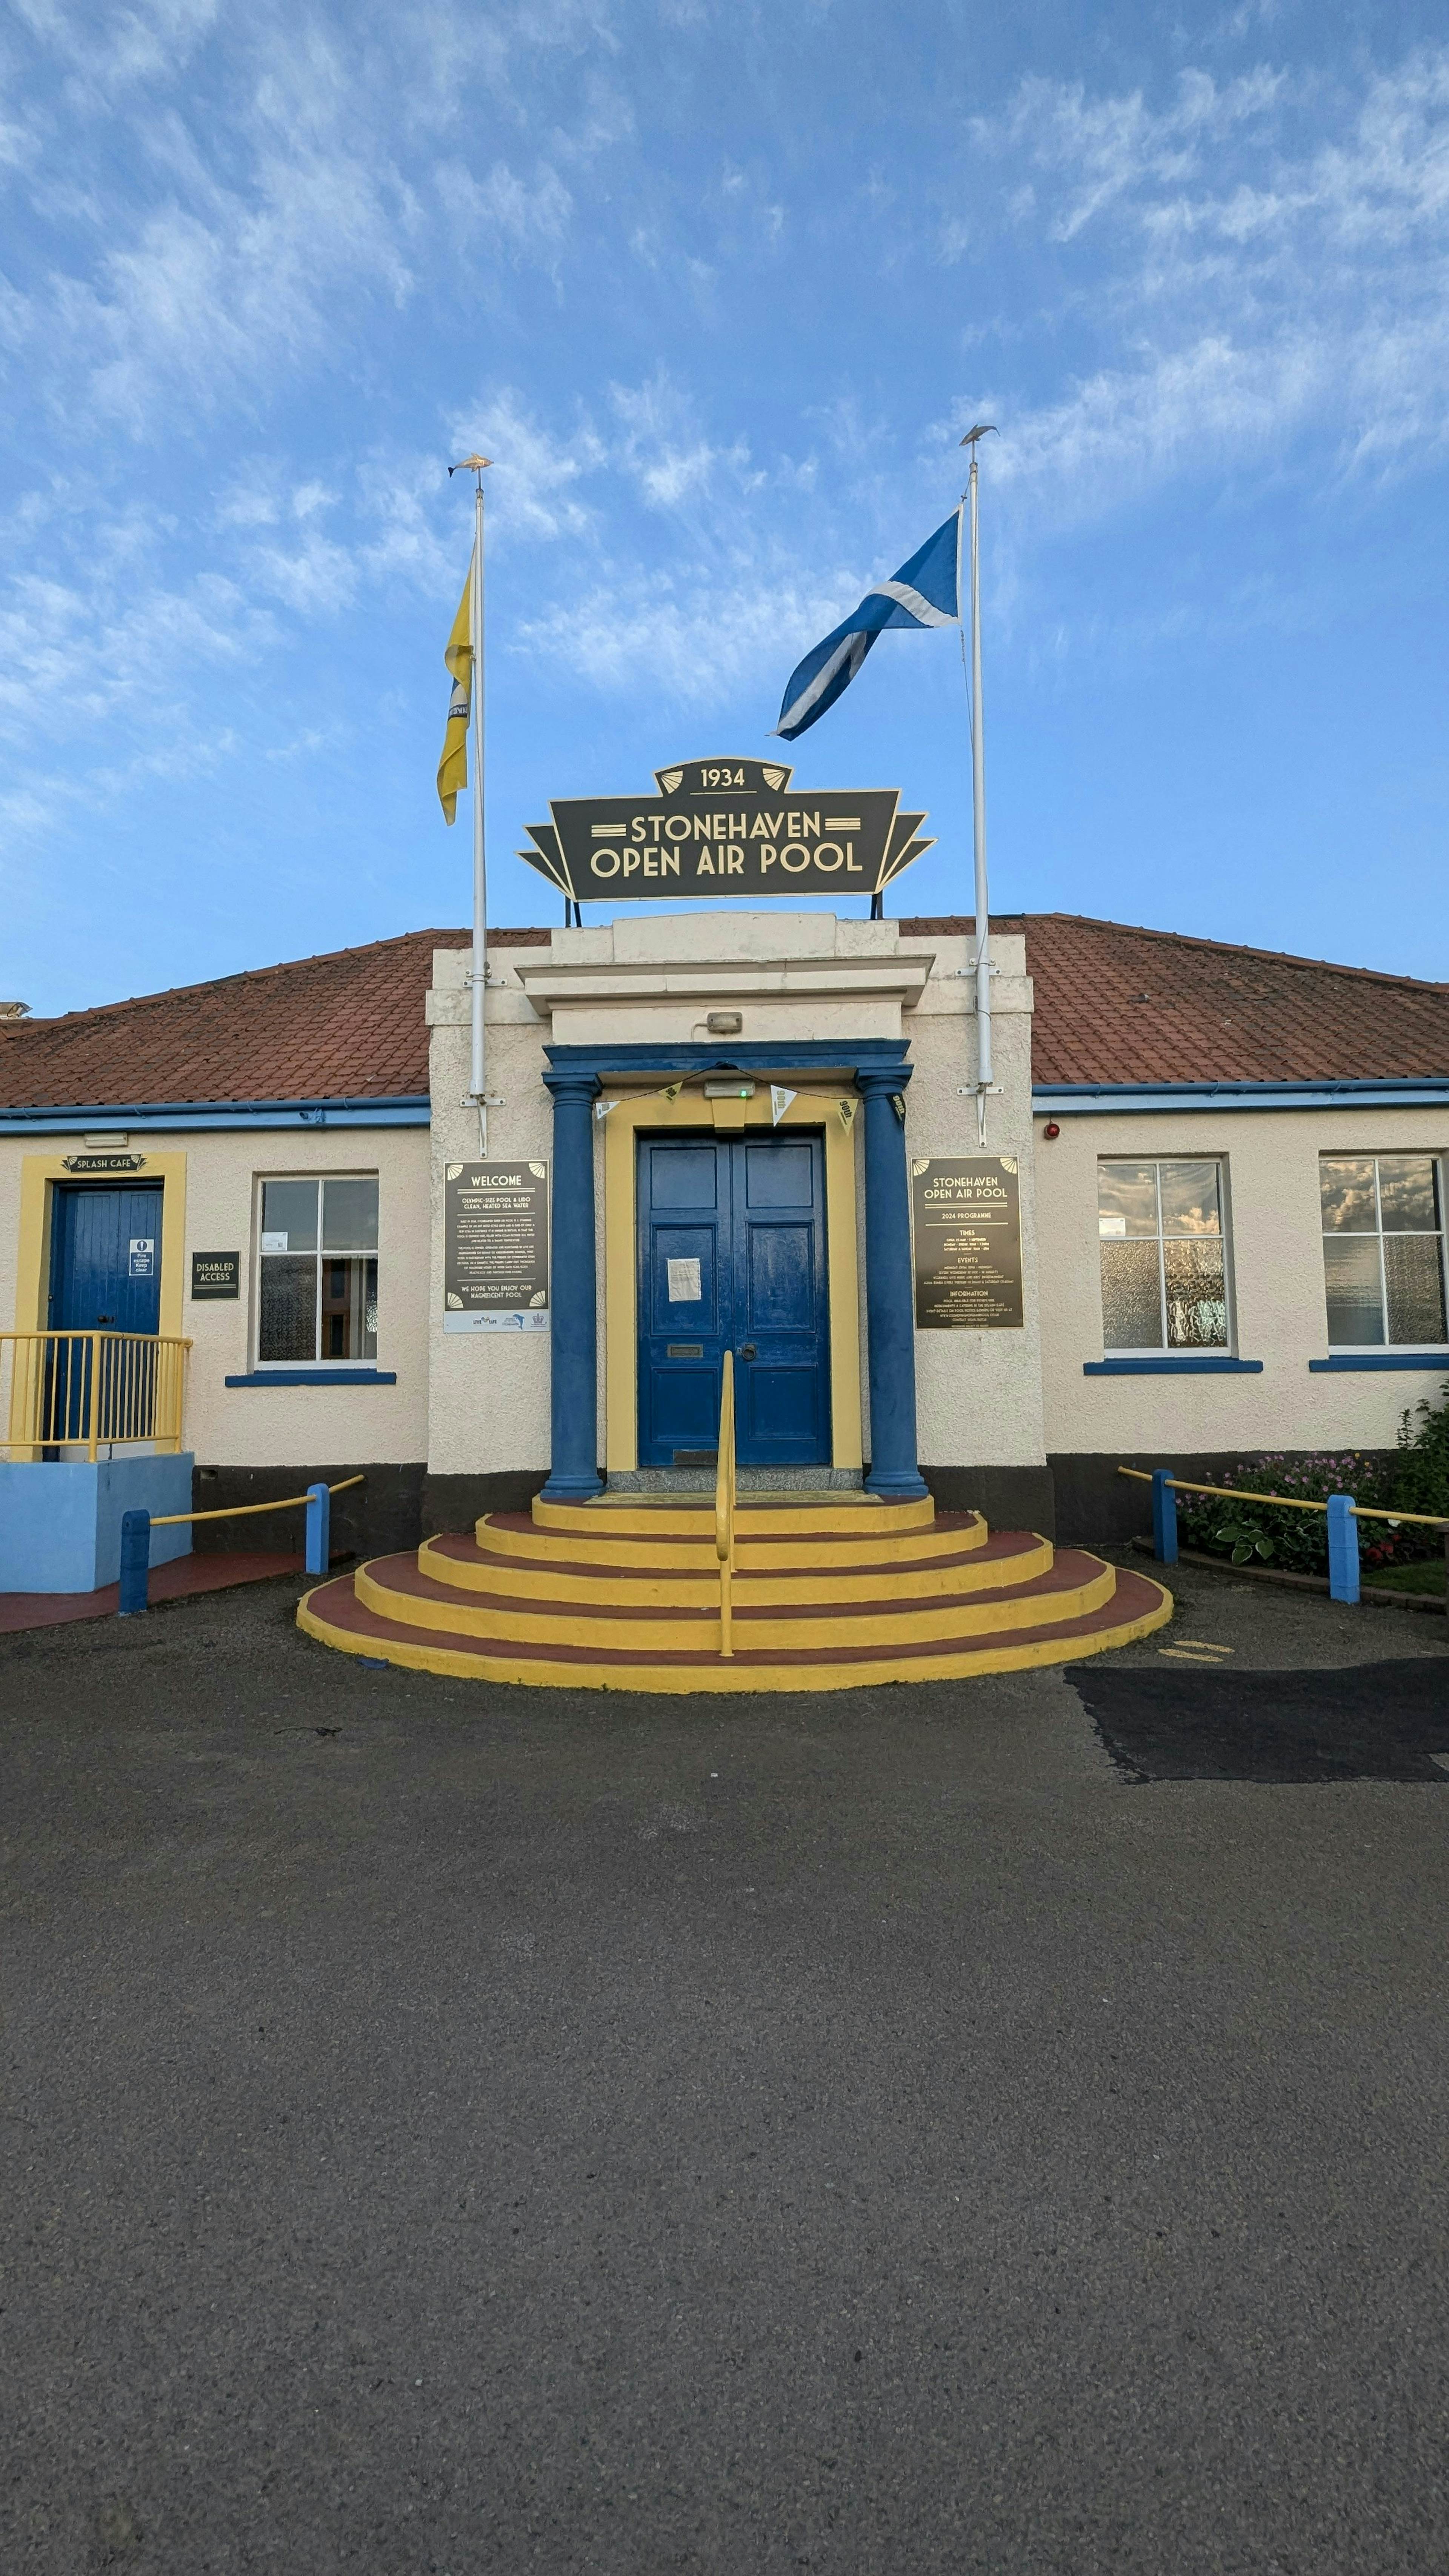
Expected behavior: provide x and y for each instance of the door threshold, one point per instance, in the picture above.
(639, 1483)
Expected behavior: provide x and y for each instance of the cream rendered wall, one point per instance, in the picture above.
(293, 1426)
(978, 1394)
(488, 1392)
(1275, 1239)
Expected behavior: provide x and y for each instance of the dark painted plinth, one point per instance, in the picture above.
(1019, 1498)
(454, 1502)
(374, 1519)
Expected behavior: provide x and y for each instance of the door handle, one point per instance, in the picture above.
(747, 1350)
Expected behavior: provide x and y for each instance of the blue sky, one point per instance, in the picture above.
(718, 287)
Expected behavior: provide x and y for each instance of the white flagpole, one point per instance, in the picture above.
(984, 1082)
(478, 973)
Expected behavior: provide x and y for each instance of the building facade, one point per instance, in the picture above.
(1221, 1178)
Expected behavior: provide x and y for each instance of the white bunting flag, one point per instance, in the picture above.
(603, 1107)
(780, 1100)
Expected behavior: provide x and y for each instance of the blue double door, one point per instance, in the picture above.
(105, 1276)
(732, 1257)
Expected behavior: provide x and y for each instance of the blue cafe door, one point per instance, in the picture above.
(105, 1259)
(732, 1256)
(105, 1275)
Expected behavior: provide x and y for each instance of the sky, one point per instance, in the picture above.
(718, 287)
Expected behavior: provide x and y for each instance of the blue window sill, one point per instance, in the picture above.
(1175, 1364)
(316, 1377)
(1383, 1360)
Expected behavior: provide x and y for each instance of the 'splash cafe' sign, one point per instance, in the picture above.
(725, 827)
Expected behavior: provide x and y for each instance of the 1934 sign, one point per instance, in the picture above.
(725, 827)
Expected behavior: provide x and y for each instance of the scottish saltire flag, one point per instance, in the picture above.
(923, 593)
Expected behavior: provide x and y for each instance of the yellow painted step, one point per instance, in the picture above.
(718, 1676)
(841, 1515)
(753, 1554)
(614, 1631)
(648, 1588)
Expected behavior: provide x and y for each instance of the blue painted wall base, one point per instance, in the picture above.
(60, 1522)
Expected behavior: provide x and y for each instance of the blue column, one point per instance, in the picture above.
(1342, 1549)
(890, 1319)
(573, 1466)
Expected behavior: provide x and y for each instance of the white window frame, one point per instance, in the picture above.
(1166, 1350)
(363, 1253)
(1343, 1234)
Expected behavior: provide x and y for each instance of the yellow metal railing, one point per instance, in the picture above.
(724, 1503)
(1288, 1502)
(75, 1394)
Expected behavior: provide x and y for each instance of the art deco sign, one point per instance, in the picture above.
(966, 1220)
(725, 827)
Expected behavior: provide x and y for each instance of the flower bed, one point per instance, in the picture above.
(1415, 1479)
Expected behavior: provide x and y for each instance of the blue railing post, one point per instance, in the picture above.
(1342, 1548)
(1164, 1517)
(319, 1529)
(135, 1564)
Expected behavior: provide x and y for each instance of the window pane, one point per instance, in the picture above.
(1355, 1305)
(1190, 1198)
(1126, 1198)
(289, 1213)
(1197, 1306)
(1414, 1271)
(1131, 1298)
(349, 1309)
(349, 1216)
(288, 1325)
(1408, 1196)
(1347, 1191)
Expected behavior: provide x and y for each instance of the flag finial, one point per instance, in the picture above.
(469, 465)
(983, 429)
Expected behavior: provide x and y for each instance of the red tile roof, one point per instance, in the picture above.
(1113, 1004)
(1118, 1004)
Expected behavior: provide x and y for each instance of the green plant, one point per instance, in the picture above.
(1243, 1536)
(1421, 1478)
(1295, 1541)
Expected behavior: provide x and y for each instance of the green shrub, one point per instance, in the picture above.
(1421, 1477)
(1295, 1542)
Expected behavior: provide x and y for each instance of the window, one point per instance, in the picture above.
(318, 1288)
(1383, 1248)
(1164, 1284)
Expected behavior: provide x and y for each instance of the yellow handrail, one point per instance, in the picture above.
(724, 1502)
(73, 1390)
(1288, 1502)
(239, 1511)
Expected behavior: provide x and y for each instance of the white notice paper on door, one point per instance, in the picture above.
(684, 1287)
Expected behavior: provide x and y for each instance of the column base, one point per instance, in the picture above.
(897, 1484)
(576, 1488)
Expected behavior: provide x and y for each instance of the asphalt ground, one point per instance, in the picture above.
(984, 2126)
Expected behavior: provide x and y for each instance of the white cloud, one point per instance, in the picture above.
(1248, 297)
(527, 218)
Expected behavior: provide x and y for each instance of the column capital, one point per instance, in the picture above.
(571, 1085)
(882, 1081)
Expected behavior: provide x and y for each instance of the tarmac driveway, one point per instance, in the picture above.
(992, 2127)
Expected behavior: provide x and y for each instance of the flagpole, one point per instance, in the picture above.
(984, 1083)
(478, 972)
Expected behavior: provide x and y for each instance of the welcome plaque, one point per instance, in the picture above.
(495, 1262)
(725, 827)
(966, 1220)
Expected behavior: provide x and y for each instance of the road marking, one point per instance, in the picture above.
(1207, 1645)
(1189, 1655)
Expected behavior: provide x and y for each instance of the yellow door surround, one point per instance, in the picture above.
(817, 1107)
(38, 1176)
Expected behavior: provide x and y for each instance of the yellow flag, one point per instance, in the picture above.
(453, 767)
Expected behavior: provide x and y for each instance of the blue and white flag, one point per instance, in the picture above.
(923, 593)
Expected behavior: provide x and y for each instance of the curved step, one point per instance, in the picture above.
(984, 1564)
(518, 1534)
(838, 1516)
(333, 1614)
(399, 1589)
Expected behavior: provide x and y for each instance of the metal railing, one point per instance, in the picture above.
(724, 1504)
(77, 1393)
(1344, 1515)
(136, 1528)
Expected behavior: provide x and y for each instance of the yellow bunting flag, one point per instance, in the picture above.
(453, 767)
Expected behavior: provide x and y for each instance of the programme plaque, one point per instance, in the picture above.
(495, 1274)
(966, 1219)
